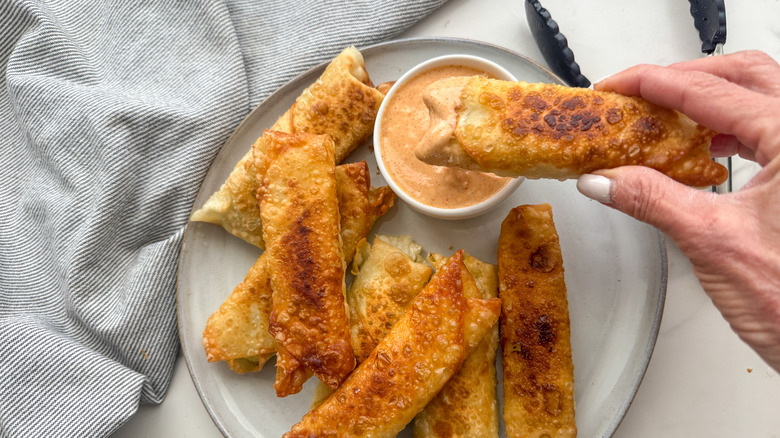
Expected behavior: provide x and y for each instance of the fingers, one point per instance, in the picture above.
(651, 197)
(724, 146)
(727, 145)
(751, 69)
(709, 100)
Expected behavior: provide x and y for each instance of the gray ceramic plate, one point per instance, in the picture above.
(615, 268)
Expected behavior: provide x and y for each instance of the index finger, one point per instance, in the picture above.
(707, 99)
(751, 69)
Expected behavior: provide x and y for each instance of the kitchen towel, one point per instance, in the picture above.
(110, 115)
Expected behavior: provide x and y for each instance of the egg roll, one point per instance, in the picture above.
(238, 331)
(410, 365)
(535, 328)
(551, 131)
(360, 205)
(300, 216)
(342, 103)
(388, 275)
(467, 406)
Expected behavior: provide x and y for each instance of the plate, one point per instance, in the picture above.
(615, 267)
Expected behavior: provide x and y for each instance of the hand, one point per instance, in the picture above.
(733, 240)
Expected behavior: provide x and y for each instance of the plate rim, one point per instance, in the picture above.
(396, 43)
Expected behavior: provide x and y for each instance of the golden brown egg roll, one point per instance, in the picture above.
(300, 215)
(360, 205)
(467, 406)
(388, 275)
(238, 331)
(551, 131)
(341, 103)
(535, 328)
(410, 365)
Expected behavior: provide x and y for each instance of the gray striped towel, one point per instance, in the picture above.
(110, 115)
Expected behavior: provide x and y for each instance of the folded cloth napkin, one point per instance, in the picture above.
(110, 115)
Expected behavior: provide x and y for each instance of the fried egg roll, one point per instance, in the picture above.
(342, 103)
(300, 216)
(238, 331)
(388, 275)
(551, 131)
(467, 406)
(410, 365)
(360, 205)
(535, 328)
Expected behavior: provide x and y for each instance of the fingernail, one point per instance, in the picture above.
(596, 187)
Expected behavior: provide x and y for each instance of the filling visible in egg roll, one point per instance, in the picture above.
(341, 103)
(535, 329)
(424, 349)
(551, 131)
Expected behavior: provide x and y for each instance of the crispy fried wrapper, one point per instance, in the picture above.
(388, 275)
(300, 214)
(535, 328)
(360, 205)
(551, 131)
(342, 103)
(238, 331)
(410, 365)
(467, 406)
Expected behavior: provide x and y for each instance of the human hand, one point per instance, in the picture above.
(733, 240)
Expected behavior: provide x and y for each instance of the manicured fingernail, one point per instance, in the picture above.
(596, 187)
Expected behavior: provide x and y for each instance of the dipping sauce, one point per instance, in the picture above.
(404, 123)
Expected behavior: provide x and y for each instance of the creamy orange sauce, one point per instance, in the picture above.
(405, 122)
(439, 146)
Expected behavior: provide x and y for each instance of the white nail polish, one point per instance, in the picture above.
(596, 187)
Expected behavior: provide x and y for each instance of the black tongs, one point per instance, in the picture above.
(553, 45)
(709, 18)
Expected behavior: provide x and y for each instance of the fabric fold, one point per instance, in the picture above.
(110, 115)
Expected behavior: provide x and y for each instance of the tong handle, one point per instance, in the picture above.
(709, 17)
(725, 187)
(553, 45)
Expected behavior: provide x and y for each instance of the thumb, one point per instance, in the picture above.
(649, 196)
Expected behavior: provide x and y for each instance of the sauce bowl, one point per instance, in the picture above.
(457, 213)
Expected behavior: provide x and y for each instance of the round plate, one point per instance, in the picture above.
(615, 268)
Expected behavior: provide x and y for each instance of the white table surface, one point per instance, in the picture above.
(702, 380)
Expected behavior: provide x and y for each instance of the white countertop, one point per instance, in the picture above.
(702, 380)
